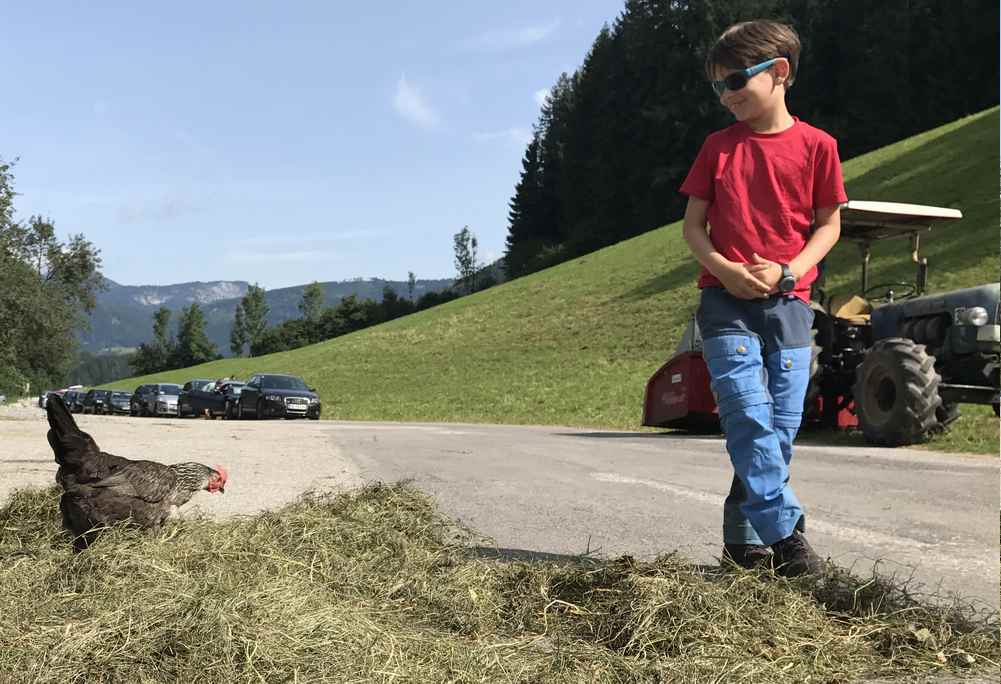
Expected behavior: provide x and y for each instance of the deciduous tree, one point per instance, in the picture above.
(238, 333)
(311, 305)
(255, 317)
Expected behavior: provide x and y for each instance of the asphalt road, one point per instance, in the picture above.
(917, 514)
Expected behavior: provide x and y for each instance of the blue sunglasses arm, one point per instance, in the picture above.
(758, 68)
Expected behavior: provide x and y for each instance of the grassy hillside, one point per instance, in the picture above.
(575, 344)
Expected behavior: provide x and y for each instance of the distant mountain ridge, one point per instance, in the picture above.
(123, 316)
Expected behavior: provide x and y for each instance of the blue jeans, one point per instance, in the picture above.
(758, 354)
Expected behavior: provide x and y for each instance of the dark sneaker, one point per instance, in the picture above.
(795, 557)
(746, 555)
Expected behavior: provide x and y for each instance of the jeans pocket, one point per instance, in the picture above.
(788, 379)
(736, 371)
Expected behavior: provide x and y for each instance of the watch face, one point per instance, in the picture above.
(787, 284)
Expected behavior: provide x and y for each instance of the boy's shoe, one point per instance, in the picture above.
(794, 557)
(747, 555)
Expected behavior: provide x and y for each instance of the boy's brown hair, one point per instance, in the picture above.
(752, 42)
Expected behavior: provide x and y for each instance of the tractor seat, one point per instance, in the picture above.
(851, 308)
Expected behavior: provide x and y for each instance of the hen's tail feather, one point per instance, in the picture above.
(69, 443)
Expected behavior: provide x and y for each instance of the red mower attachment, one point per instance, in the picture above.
(678, 394)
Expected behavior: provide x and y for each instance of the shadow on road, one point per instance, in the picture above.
(639, 435)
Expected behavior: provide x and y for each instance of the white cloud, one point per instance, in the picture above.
(412, 106)
(165, 208)
(315, 240)
(540, 96)
(508, 39)
(517, 136)
(295, 257)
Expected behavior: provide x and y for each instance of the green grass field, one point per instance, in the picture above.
(575, 344)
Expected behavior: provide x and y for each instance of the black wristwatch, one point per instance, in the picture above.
(787, 283)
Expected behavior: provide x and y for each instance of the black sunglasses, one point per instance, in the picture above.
(739, 79)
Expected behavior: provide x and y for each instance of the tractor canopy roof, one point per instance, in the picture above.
(864, 221)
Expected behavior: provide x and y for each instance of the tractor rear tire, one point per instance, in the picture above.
(896, 393)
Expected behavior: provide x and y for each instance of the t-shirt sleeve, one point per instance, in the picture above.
(699, 182)
(828, 185)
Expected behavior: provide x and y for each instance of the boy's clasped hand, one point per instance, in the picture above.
(751, 281)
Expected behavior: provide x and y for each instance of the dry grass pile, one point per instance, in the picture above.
(374, 585)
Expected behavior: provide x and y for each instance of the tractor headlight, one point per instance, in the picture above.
(975, 316)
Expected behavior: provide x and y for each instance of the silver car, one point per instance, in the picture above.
(161, 400)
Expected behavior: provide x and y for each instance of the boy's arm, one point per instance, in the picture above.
(737, 279)
(825, 236)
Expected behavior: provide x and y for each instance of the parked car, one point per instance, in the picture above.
(230, 392)
(189, 400)
(43, 398)
(272, 395)
(140, 400)
(73, 400)
(156, 400)
(97, 401)
(120, 402)
(214, 398)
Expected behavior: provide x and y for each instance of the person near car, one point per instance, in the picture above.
(769, 187)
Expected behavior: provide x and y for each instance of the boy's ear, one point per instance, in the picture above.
(781, 70)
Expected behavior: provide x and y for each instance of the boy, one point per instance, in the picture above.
(770, 188)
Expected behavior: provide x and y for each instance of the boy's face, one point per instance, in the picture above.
(761, 96)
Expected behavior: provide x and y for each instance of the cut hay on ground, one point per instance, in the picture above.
(374, 585)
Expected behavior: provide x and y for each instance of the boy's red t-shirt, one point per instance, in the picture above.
(762, 190)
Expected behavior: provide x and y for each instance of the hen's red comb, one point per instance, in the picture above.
(222, 473)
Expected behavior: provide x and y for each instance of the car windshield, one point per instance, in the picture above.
(121, 395)
(283, 382)
(170, 389)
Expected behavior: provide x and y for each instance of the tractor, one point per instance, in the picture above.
(891, 360)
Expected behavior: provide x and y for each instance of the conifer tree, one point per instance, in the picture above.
(193, 346)
(521, 243)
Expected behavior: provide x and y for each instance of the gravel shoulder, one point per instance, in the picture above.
(269, 463)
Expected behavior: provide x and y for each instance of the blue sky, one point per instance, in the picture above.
(280, 142)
